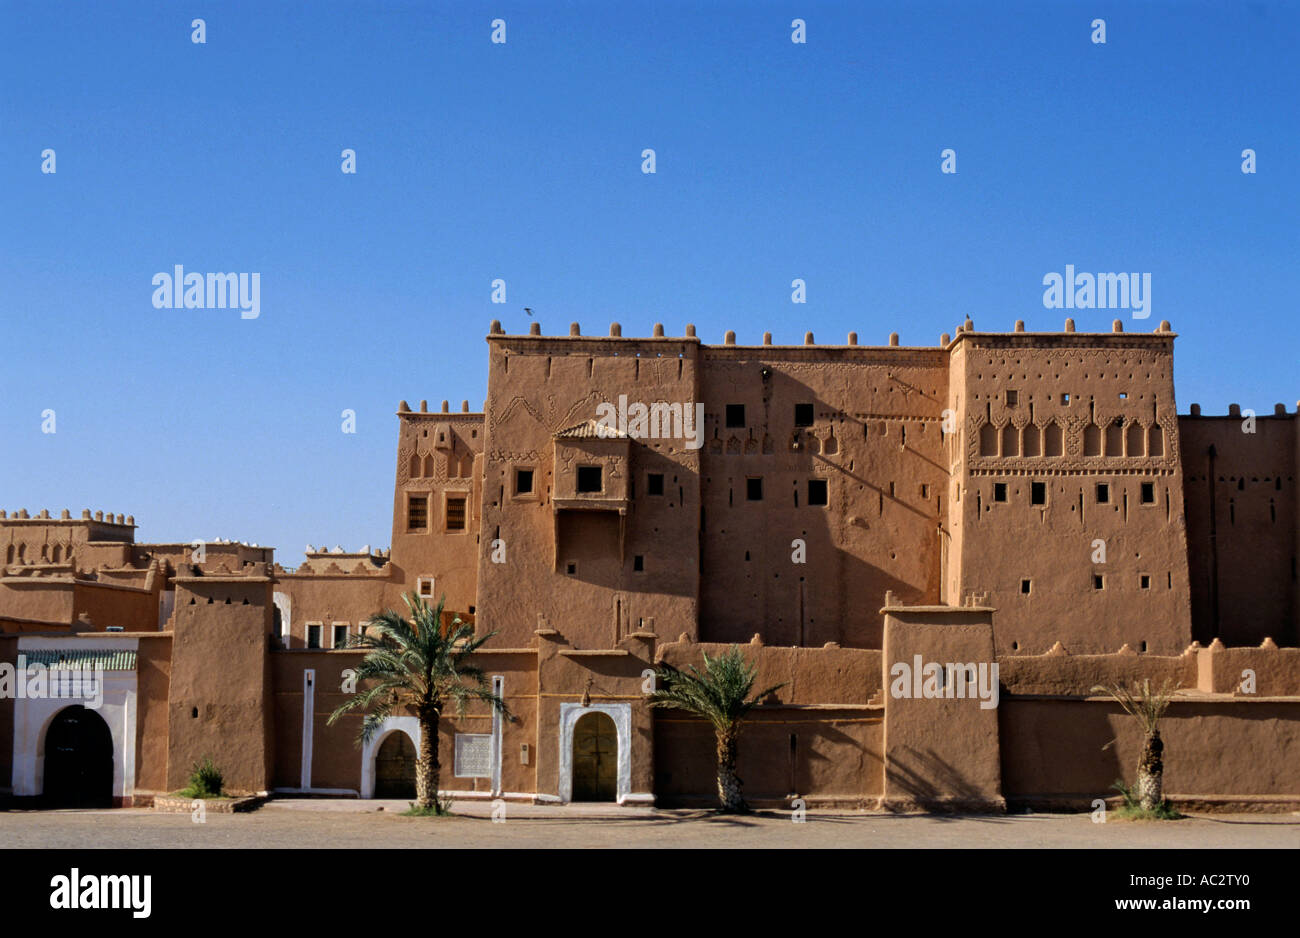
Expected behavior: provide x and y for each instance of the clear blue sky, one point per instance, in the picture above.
(523, 161)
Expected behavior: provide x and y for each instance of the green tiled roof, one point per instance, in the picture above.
(82, 659)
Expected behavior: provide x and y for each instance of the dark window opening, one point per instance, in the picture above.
(638, 563)
(1038, 493)
(455, 514)
(340, 636)
(1146, 582)
(1148, 493)
(735, 415)
(571, 568)
(754, 489)
(589, 479)
(999, 491)
(1024, 587)
(1098, 581)
(417, 513)
(654, 483)
(1013, 398)
(1103, 493)
(313, 636)
(523, 481)
(803, 415)
(817, 493)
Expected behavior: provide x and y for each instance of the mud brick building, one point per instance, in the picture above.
(1030, 500)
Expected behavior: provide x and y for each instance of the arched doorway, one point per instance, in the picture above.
(595, 758)
(395, 767)
(78, 760)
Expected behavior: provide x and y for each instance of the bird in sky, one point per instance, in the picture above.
(528, 310)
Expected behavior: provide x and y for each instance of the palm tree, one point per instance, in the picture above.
(420, 666)
(1147, 707)
(720, 694)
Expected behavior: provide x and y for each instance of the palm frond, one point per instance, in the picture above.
(415, 663)
(720, 693)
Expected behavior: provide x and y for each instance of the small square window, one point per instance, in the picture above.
(571, 568)
(456, 514)
(1013, 398)
(1038, 493)
(638, 563)
(1065, 399)
(754, 489)
(313, 636)
(1123, 395)
(735, 415)
(1145, 582)
(803, 415)
(654, 483)
(999, 491)
(1024, 587)
(1148, 493)
(1098, 581)
(589, 479)
(1103, 493)
(424, 586)
(817, 494)
(523, 481)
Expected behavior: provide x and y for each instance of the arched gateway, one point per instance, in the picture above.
(595, 758)
(78, 760)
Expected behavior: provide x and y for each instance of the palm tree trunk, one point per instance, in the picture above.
(1150, 779)
(729, 796)
(427, 769)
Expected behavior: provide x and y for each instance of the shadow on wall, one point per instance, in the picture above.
(925, 778)
(828, 484)
(834, 597)
(817, 758)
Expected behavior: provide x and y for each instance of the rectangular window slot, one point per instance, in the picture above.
(817, 492)
(999, 491)
(455, 514)
(417, 513)
(589, 479)
(735, 415)
(754, 489)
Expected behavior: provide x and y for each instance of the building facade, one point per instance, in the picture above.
(1032, 501)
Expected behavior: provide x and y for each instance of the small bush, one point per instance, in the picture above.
(205, 781)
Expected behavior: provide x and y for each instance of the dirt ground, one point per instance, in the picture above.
(353, 824)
